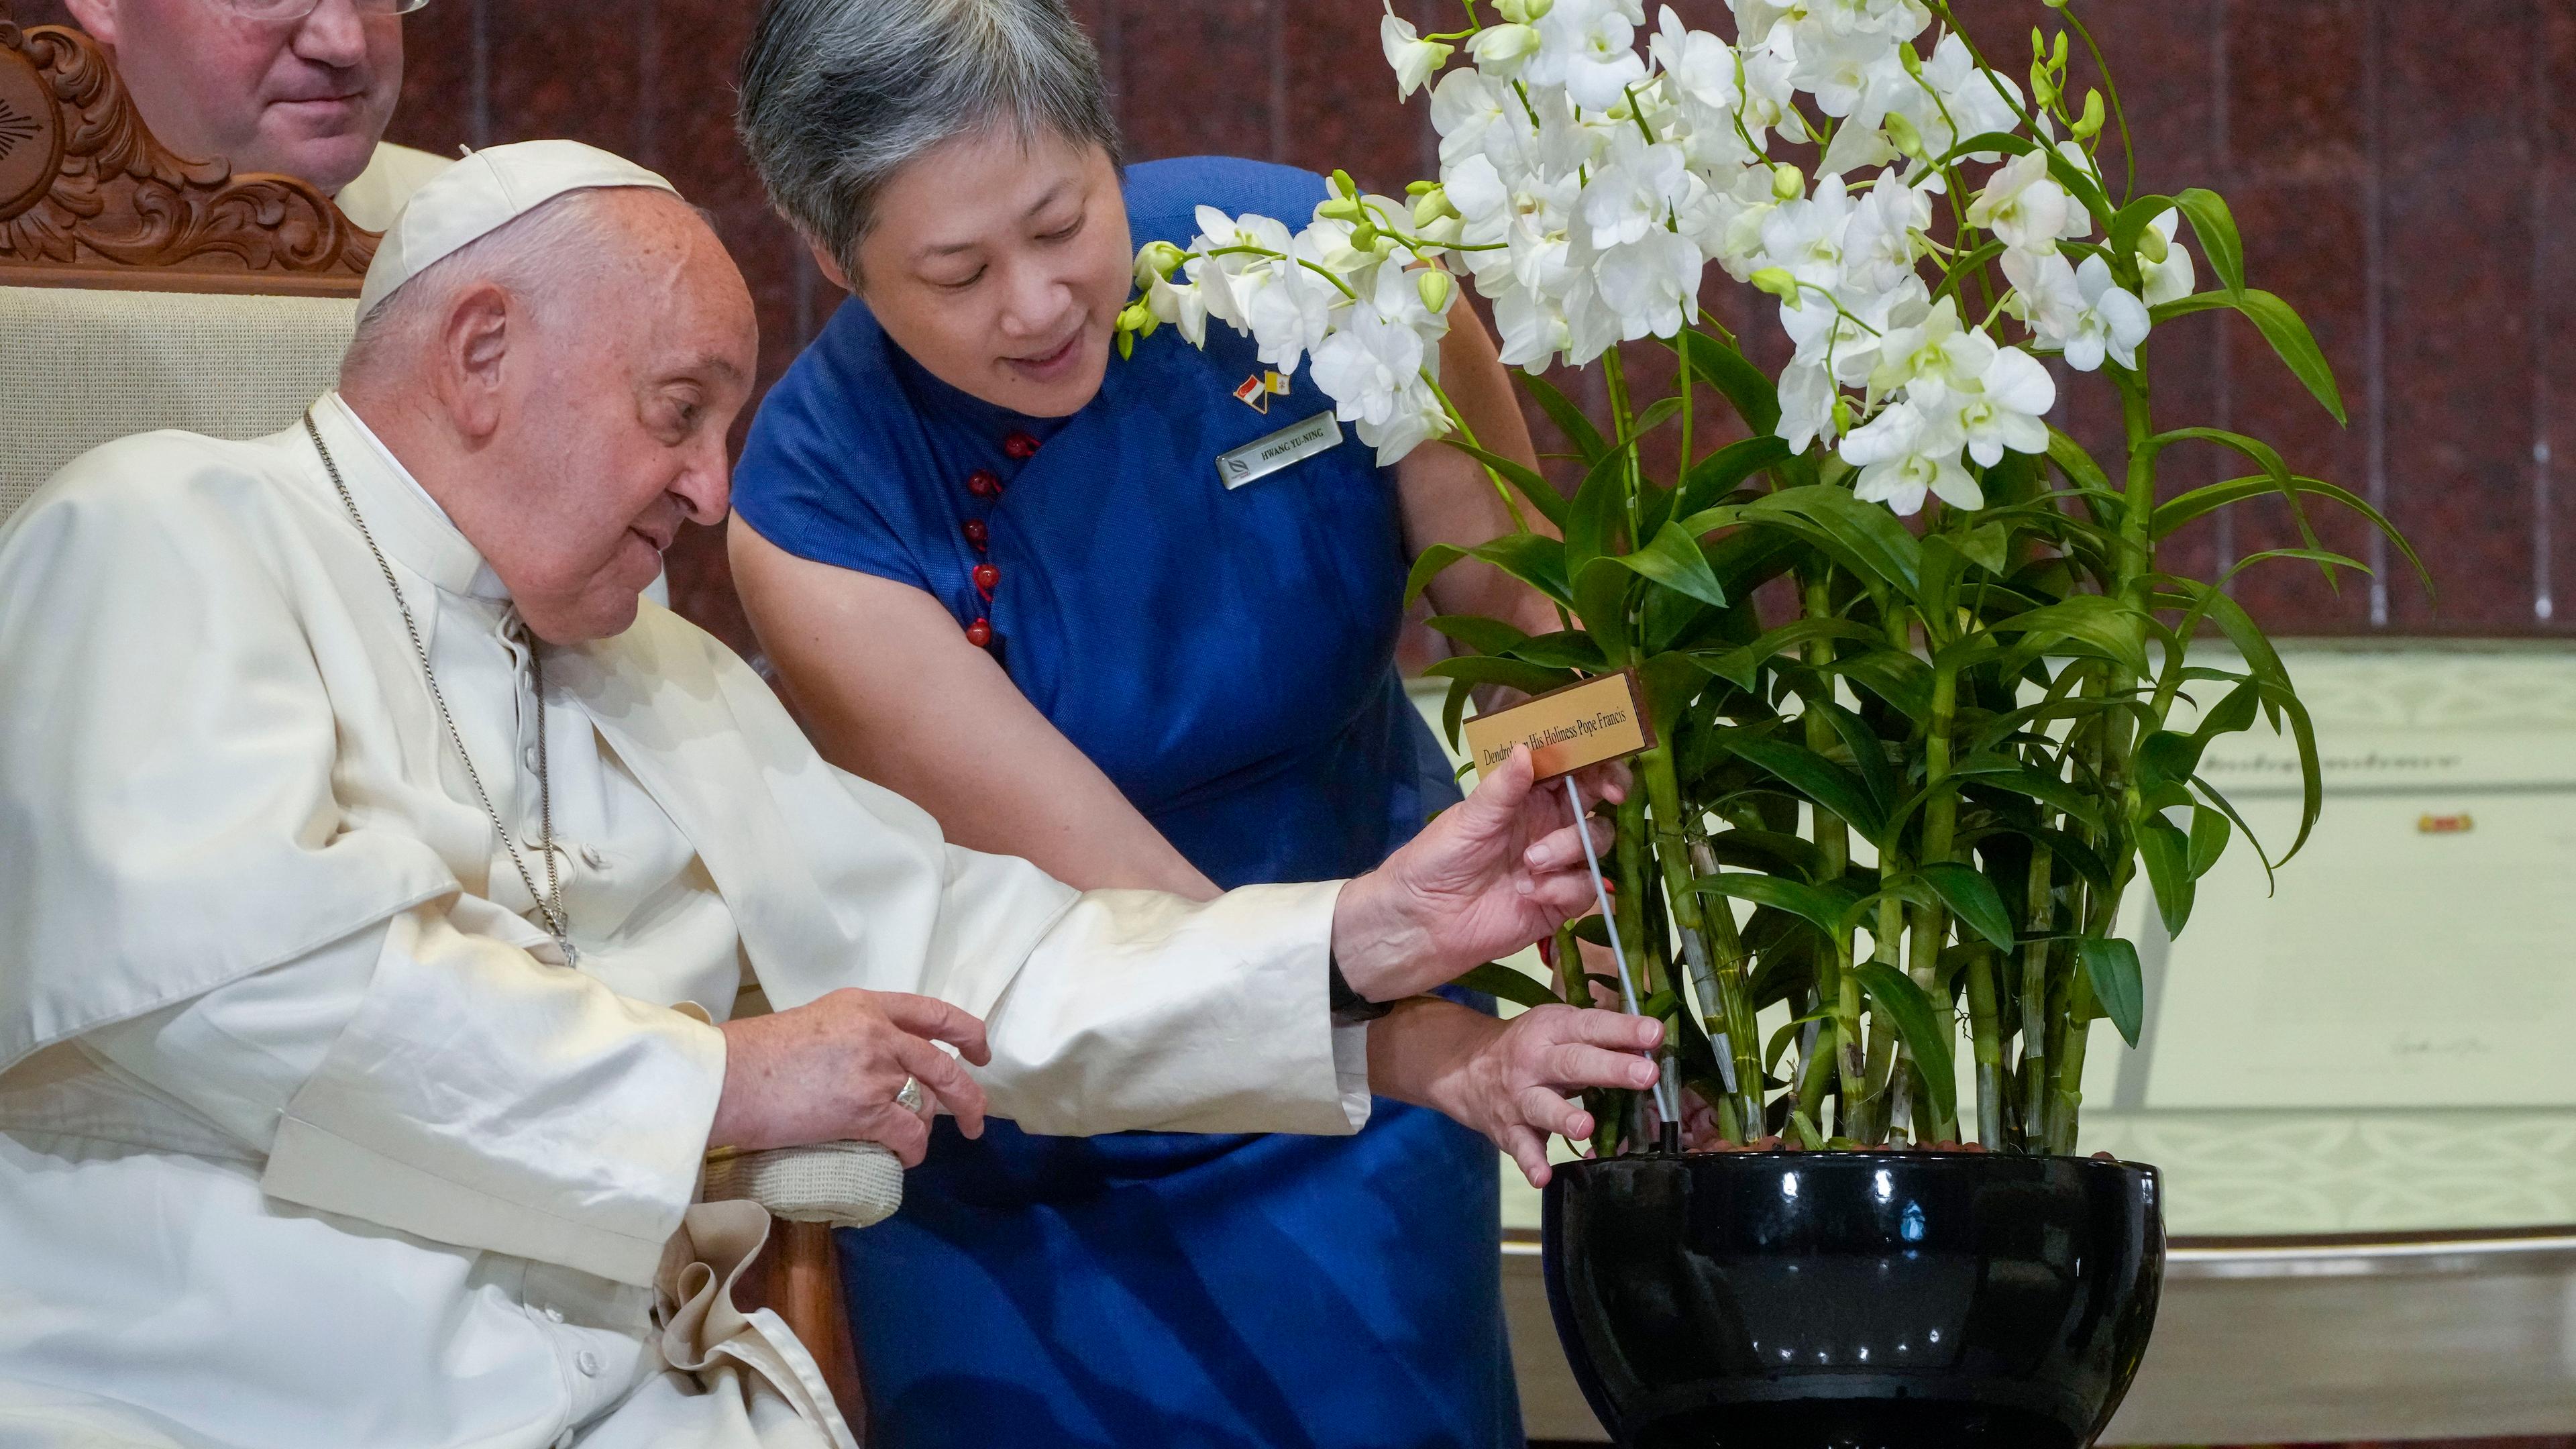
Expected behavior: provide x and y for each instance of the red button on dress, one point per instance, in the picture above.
(1020, 446)
(984, 483)
(977, 534)
(986, 576)
(980, 633)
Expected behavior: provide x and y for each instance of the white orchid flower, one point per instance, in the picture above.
(1806, 236)
(1465, 105)
(1635, 191)
(2174, 278)
(1807, 396)
(1589, 48)
(1850, 328)
(1699, 66)
(1373, 353)
(1904, 454)
(1879, 245)
(1183, 305)
(2022, 206)
(1754, 19)
(2006, 411)
(1651, 283)
(1932, 357)
(1533, 329)
(1837, 69)
(1414, 418)
(1413, 58)
(2080, 311)
(1502, 51)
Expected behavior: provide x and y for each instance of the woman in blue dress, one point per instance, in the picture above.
(998, 571)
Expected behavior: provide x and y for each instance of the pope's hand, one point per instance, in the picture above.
(830, 1072)
(1483, 880)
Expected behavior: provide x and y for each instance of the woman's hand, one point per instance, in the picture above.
(829, 1071)
(1483, 880)
(1511, 1080)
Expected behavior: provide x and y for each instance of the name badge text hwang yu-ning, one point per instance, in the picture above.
(1267, 455)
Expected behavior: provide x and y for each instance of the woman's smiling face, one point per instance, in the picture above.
(999, 262)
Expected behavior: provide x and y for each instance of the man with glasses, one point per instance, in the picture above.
(302, 87)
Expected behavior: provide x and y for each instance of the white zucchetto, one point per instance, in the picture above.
(486, 191)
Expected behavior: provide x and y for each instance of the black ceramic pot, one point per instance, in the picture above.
(1854, 1300)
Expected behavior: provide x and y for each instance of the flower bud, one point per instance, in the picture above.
(2152, 247)
(2089, 125)
(1135, 317)
(1901, 134)
(1416, 188)
(1343, 185)
(1842, 414)
(1502, 48)
(1777, 282)
(1437, 288)
(1786, 182)
(1910, 58)
(1432, 205)
(1157, 259)
(1524, 12)
(1364, 237)
(1340, 208)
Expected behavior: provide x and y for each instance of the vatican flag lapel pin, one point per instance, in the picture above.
(1259, 389)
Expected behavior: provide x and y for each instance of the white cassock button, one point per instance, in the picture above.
(554, 1315)
(588, 1363)
(592, 856)
(528, 757)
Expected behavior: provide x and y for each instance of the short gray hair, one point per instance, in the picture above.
(839, 95)
(537, 258)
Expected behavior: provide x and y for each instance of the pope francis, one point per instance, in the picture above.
(380, 884)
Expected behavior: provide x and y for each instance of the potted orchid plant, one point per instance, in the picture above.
(1925, 687)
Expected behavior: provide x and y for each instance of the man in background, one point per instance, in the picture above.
(299, 87)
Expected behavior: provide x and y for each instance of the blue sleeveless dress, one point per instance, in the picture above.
(1225, 656)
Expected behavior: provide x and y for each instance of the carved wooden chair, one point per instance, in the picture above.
(141, 290)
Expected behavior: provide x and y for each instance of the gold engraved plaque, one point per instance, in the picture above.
(1566, 729)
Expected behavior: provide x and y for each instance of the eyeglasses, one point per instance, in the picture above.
(285, 11)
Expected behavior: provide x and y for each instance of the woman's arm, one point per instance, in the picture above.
(1448, 498)
(890, 690)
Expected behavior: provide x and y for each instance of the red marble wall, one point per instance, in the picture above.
(2402, 170)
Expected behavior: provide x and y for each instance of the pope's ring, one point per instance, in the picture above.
(909, 1096)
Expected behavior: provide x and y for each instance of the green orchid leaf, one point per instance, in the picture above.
(2133, 220)
(1427, 567)
(1869, 756)
(1525, 480)
(1672, 558)
(1739, 666)
(2215, 225)
(2282, 327)
(1601, 601)
(1598, 516)
(2046, 789)
(1722, 472)
(1815, 777)
(2209, 498)
(1505, 984)
(1944, 567)
(2209, 834)
(1987, 546)
(2280, 699)
(1863, 537)
(1972, 898)
(1510, 673)
(1769, 851)
(2119, 988)
(1820, 906)
(1925, 1029)
(2076, 855)
(1569, 418)
(1565, 649)
(2227, 807)
(2077, 464)
(1752, 395)
(1485, 636)
(1895, 676)
(2167, 853)
(2105, 624)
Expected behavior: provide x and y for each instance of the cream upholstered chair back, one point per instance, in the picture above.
(142, 290)
(79, 368)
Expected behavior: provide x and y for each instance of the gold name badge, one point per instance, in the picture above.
(1566, 729)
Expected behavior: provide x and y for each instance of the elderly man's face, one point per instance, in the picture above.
(308, 98)
(999, 263)
(614, 432)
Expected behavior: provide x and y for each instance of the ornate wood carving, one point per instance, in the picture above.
(88, 198)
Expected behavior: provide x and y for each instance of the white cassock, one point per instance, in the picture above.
(308, 1139)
